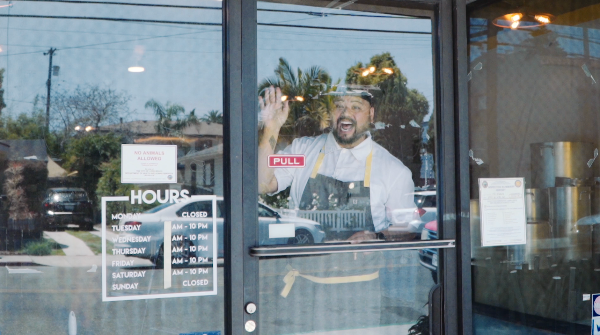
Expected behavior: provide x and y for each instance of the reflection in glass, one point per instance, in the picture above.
(78, 81)
(345, 291)
(533, 114)
(362, 129)
(345, 156)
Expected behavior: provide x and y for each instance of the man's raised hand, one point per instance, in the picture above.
(273, 111)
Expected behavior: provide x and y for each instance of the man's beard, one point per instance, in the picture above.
(358, 133)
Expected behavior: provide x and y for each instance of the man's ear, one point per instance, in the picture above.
(372, 114)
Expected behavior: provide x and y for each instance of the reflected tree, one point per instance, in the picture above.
(308, 115)
(85, 155)
(2, 104)
(399, 109)
(171, 118)
(213, 116)
(85, 106)
(110, 185)
(89, 106)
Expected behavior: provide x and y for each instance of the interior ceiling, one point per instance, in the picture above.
(582, 13)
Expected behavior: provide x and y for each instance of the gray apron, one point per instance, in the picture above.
(336, 291)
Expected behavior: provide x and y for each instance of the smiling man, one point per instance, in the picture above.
(345, 169)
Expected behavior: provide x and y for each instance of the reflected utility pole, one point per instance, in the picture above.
(49, 84)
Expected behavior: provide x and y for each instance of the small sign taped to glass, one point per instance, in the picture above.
(596, 314)
(287, 161)
(502, 206)
(148, 164)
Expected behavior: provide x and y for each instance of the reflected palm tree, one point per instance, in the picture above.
(171, 117)
(214, 116)
(309, 115)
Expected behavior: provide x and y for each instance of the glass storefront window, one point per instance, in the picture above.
(346, 133)
(533, 114)
(111, 167)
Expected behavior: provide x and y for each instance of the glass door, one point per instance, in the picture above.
(347, 169)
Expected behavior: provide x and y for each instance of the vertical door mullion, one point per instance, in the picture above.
(250, 154)
(447, 162)
(463, 246)
(240, 191)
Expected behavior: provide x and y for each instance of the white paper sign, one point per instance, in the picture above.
(148, 164)
(502, 205)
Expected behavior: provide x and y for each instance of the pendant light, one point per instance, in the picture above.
(523, 19)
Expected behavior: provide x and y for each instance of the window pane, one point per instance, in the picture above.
(388, 295)
(108, 111)
(346, 128)
(533, 113)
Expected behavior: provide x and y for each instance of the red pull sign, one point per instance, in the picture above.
(289, 161)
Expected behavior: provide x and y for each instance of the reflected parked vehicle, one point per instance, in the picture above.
(429, 257)
(151, 223)
(66, 205)
(427, 205)
(413, 220)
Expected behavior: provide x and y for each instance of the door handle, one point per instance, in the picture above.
(346, 247)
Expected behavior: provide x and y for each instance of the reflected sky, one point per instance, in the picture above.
(181, 50)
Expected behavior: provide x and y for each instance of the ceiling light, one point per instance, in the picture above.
(523, 19)
(371, 69)
(136, 69)
(543, 19)
(387, 70)
(365, 73)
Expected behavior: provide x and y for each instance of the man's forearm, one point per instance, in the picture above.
(267, 182)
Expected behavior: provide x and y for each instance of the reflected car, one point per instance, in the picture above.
(412, 220)
(429, 257)
(67, 205)
(427, 205)
(151, 223)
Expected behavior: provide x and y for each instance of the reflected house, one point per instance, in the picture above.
(195, 143)
(203, 170)
(26, 149)
(195, 137)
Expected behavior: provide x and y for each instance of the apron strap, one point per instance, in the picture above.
(315, 170)
(290, 278)
(367, 179)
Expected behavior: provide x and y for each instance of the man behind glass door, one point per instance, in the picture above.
(345, 169)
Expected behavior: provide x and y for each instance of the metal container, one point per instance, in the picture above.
(567, 206)
(559, 159)
(596, 196)
(539, 246)
(596, 218)
(536, 205)
(566, 182)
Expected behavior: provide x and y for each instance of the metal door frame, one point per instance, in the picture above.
(241, 168)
